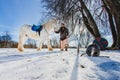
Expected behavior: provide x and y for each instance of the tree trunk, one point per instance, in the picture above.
(85, 20)
(114, 6)
(112, 26)
(91, 21)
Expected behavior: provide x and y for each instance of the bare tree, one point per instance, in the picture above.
(66, 9)
(113, 9)
(5, 39)
(112, 26)
(91, 22)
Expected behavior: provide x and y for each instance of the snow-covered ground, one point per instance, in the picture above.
(57, 65)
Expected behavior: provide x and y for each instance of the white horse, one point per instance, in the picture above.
(26, 32)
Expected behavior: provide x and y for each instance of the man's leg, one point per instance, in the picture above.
(66, 44)
(61, 45)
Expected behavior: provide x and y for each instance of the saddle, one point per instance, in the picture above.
(37, 28)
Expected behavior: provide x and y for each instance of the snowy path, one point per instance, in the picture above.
(57, 65)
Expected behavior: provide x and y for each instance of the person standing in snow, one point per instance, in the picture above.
(63, 36)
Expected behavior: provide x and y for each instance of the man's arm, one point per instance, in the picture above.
(57, 31)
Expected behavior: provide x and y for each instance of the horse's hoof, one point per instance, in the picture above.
(21, 50)
(50, 49)
(38, 49)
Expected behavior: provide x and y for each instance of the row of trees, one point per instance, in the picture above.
(5, 40)
(99, 16)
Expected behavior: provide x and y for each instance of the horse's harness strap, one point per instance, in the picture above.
(45, 29)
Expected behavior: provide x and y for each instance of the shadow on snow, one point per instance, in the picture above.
(15, 57)
(110, 68)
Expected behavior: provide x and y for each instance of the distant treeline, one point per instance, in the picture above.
(7, 42)
(12, 44)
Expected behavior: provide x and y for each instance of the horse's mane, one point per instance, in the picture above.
(50, 24)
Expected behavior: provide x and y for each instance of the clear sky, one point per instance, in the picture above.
(15, 13)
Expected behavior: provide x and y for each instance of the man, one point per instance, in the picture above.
(63, 37)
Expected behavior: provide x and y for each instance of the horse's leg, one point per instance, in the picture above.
(22, 40)
(49, 45)
(40, 45)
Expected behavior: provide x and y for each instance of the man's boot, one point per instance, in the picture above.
(61, 49)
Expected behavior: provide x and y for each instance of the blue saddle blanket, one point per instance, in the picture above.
(36, 27)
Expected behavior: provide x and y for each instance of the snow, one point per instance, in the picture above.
(57, 65)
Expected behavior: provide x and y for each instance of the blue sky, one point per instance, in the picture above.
(15, 13)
